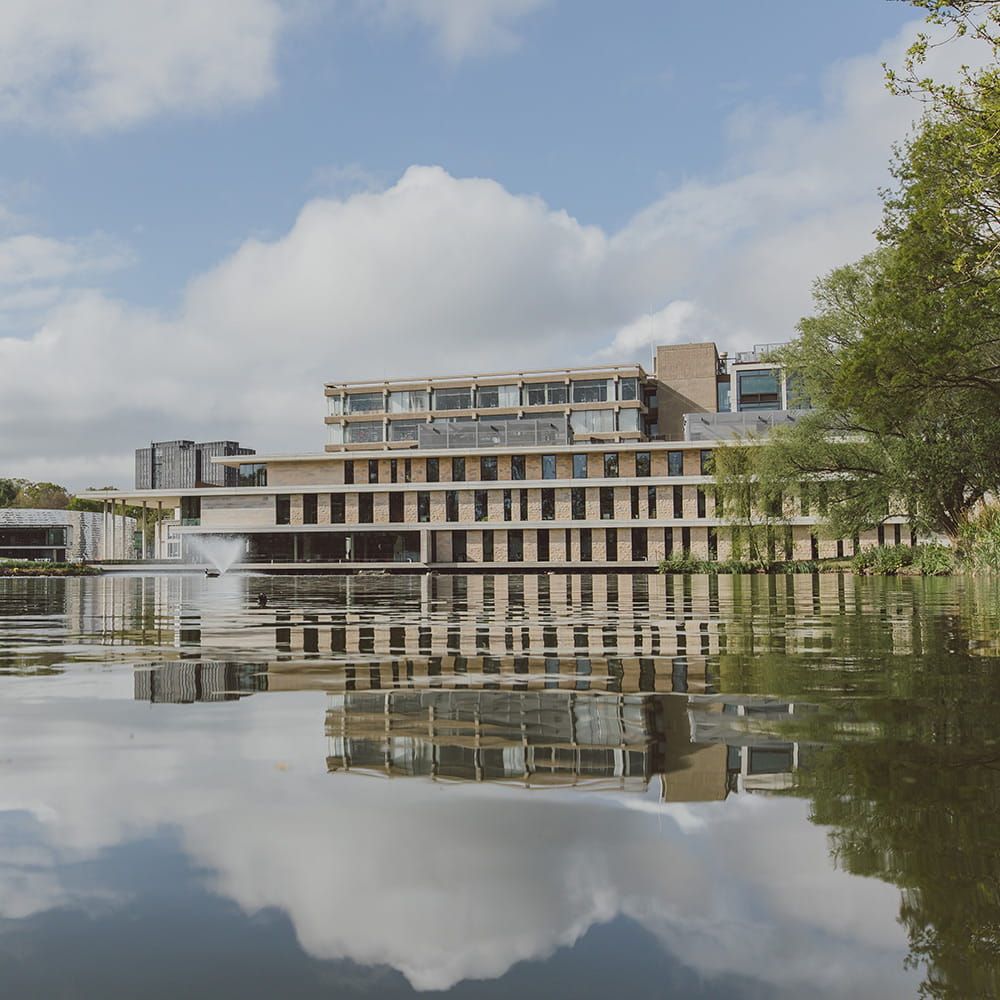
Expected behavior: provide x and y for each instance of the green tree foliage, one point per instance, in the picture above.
(8, 492)
(40, 496)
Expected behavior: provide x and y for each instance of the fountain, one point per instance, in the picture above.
(221, 551)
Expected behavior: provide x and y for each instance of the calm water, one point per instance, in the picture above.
(499, 786)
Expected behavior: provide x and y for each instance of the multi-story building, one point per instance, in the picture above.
(595, 466)
(186, 465)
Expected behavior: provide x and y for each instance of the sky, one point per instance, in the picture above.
(207, 211)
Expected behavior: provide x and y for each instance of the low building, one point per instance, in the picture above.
(599, 467)
(64, 535)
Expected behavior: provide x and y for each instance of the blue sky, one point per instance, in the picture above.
(206, 211)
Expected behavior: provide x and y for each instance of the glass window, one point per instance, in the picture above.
(409, 401)
(458, 469)
(523, 504)
(611, 544)
(607, 503)
(310, 508)
(366, 508)
(338, 508)
(253, 475)
(423, 506)
(453, 399)
(433, 470)
(488, 468)
(363, 433)
(404, 430)
(642, 463)
(487, 546)
(542, 541)
(507, 505)
(628, 388)
(675, 463)
(586, 545)
(396, 507)
(407, 471)
(494, 396)
(548, 505)
(459, 546)
(349, 472)
(593, 390)
(335, 405)
(548, 466)
(282, 508)
(579, 466)
(707, 462)
(373, 470)
(759, 390)
(678, 498)
(651, 501)
(723, 396)
(634, 501)
(610, 464)
(517, 466)
(592, 421)
(628, 419)
(335, 433)
(451, 505)
(482, 506)
(638, 544)
(365, 402)
(393, 470)
(546, 393)
(578, 503)
(515, 546)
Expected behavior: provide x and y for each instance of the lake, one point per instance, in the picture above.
(498, 786)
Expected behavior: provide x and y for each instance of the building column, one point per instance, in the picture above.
(103, 551)
(142, 531)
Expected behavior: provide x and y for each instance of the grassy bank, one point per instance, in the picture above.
(23, 567)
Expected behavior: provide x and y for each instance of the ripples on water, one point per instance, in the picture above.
(750, 746)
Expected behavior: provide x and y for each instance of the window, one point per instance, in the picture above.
(366, 432)
(517, 466)
(337, 508)
(611, 465)
(488, 546)
(488, 468)
(366, 508)
(393, 470)
(651, 501)
(458, 470)
(459, 546)
(578, 503)
(642, 463)
(707, 462)
(396, 507)
(409, 401)
(310, 508)
(678, 501)
(713, 544)
(191, 510)
(546, 393)
(490, 397)
(407, 471)
(628, 388)
(335, 405)
(482, 505)
(451, 505)
(548, 466)
(365, 402)
(634, 501)
(373, 470)
(253, 475)
(548, 505)
(759, 390)
(638, 544)
(348, 472)
(722, 396)
(593, 390)
(433, 470)
(579, 466)
(675, 463)
(405, 430)
(453, 399)
(515, 546)
(592, 421)
(423, 506)
(507, 505)
(586, 545)
(335, 433)
(542, 540)
(611, 544)
(628, 419)
(607, 503)
(701, 502)
(282, 508)
(523, 504)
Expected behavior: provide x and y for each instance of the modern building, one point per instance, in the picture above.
(64, 535)
(600, 467)
(186, 465)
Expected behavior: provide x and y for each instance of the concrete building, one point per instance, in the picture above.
(64, 535)
(186, 465)
(596, 466)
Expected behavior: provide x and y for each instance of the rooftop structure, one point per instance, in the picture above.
(185, 464)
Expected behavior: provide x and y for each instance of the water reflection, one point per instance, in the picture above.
(865, 706)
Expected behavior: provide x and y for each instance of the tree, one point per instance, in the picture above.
(42, 496)
(8, 492)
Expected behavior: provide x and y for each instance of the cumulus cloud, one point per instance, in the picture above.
(437, 274)
(461, 28)
(108, 64)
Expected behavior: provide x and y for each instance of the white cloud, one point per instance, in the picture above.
(461, 28)
(108, 64)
